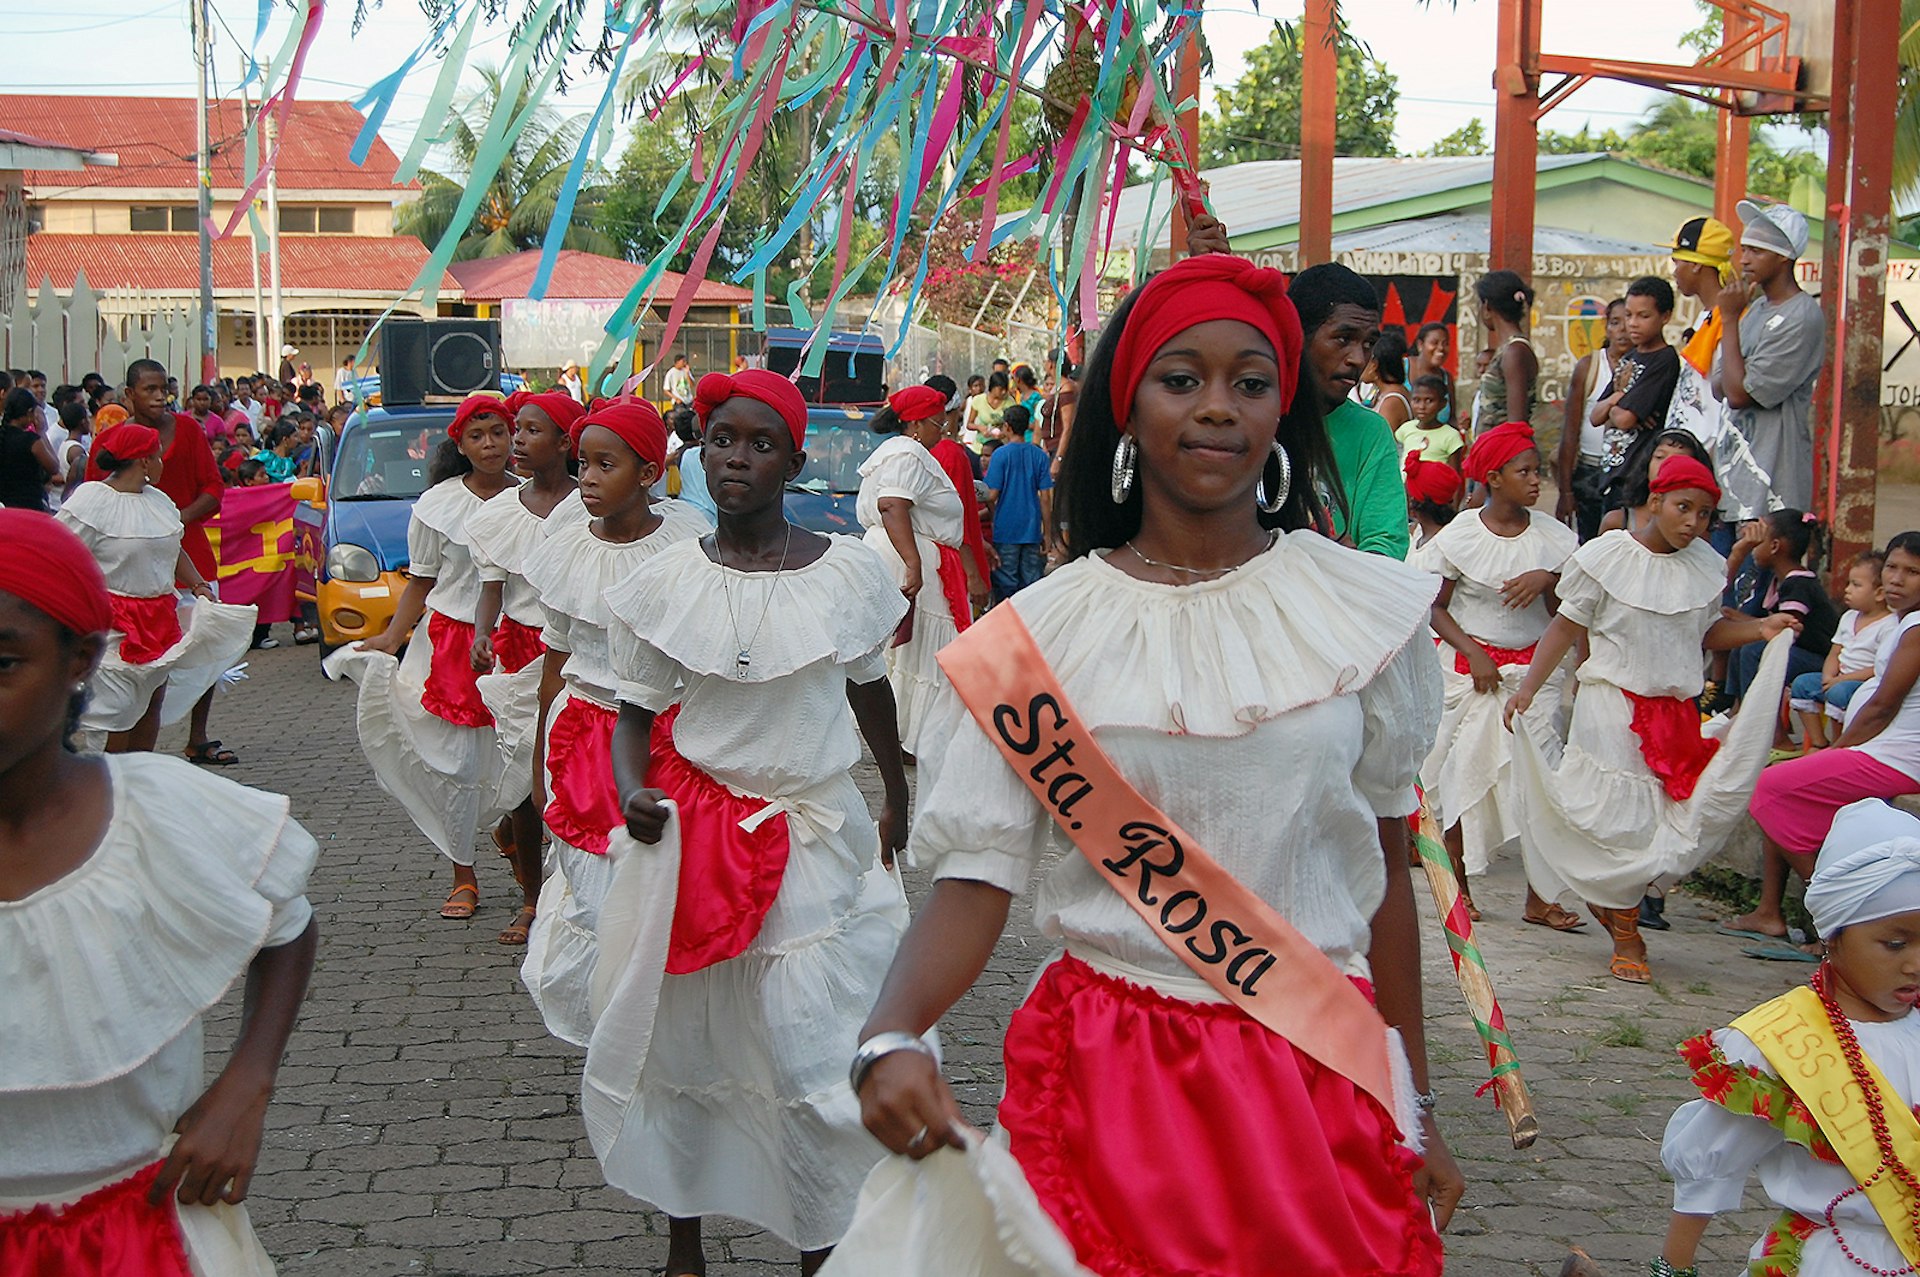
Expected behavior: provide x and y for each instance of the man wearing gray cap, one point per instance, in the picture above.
(1770, 354)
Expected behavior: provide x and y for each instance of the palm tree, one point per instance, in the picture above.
(521, 194)
(1906, 120)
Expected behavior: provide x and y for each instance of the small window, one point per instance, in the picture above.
(186, 217)
(297, 218)
(336, 221)
(148, 217)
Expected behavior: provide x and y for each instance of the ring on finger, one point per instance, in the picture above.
(919, 1138)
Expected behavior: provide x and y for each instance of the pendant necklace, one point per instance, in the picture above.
(742, 660)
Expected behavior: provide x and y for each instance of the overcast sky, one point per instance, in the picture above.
(1441, 52)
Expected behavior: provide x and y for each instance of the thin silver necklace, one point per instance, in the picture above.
(742, 660)
(1181, 567)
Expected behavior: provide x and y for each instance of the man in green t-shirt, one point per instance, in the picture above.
(1340, 315)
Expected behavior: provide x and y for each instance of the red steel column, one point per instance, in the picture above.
(1730, 151)
(1516, 134)
(1319, 65)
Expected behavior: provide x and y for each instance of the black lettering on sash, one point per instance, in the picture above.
(1143, 837)
(1246, 983)
(1177, 900)
(1081, 787)
(1007, 721)
(1062, 752)
(1217, 933)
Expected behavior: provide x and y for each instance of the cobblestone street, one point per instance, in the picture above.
(425, 1123)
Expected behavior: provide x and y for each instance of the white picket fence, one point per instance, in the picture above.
(89, 331)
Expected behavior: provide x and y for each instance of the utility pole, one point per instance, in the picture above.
(276, 334)
(209, 317)
(253, 247)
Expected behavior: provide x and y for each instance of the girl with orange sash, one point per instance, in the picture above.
(622, 446)
(426, 732)
(715, 1080)
(1272, 693)
(915, 518)
(135, 533)
(135, 890)
(1638, 795)
(1816, 1091)
(507, 650)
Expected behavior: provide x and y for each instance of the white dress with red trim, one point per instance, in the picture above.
(1750, 1121)
(1466, 776)
(1597, 822)
(1277, 713)
(426, 732)
(738, 1103)
(108, 972)
(572, 570)
(902, 468)
(135, 537)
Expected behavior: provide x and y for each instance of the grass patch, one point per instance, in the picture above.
(1625, 1105)
(1700, 988)
(1624, 1031)
(1740, 893)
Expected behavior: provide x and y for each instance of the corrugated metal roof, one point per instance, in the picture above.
(1472, 233)
(578, 275)
(170, 263)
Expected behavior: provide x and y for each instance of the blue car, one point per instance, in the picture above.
(822, 497)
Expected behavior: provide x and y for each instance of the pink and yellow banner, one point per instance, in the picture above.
(263, 551)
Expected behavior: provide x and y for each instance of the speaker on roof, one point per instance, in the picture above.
(422, 357)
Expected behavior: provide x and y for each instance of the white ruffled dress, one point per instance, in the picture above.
(724, 1091)
(902, 468)
(108, 972)
(445, 775)
(1466, 775)
(500, 535)
(135, 537)
(1596, 824)
(572, 570)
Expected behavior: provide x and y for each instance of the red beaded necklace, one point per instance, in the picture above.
(1823, 984)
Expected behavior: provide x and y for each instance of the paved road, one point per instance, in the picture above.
(425, 1124)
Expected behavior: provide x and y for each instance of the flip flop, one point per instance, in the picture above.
(1763, 937)
(1630, 970)
(456, 909)
(1565, 920)
(210, 754)
(1779, 953)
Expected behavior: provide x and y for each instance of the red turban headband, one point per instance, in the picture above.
(916, 403)
(477, 406)
(1680, 472)
(562, 409)
(1494, 449)
(636, 421)
(129, 441)
(1433, 481)
(770, 388)
(47, 567)
(1196, 290)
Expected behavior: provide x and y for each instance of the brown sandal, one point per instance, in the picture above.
(457, 909)
(1631, 970)
(1558, 917)
(521, 926)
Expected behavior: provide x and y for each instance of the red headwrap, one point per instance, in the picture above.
(47, 567)
(1681, 471)
(1493, 450)
(128, 441)
(1433, 481)
(477, 406)
(636, 421)
(770, 388)
(916, 403)
(1196, 290)
(562, 409)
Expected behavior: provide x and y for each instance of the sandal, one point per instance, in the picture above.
(1558, 917)
(457, 909)
(306, 635)
(522, 924)
(1631, 970)
(210, 754)
(1473, 912)
(503, 844)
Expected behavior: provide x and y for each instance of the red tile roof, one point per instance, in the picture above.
(154, 138)
(578, 275)
(171, 262)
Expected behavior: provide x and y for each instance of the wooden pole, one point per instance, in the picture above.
(1516, 134)
(1186, 88)
(1731, 142)
(1319, 83)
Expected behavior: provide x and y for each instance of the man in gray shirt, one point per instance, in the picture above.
(1769, 359)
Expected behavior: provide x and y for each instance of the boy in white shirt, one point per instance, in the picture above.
(1824, 695)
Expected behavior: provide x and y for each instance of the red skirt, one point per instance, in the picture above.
(452, 692)
(1502, 656)
(1670, 741)
(1116, 1101)
(583, 806)
(111, 1232)
(729, 876)
(953, 586)
(151, 626)
(516, 646)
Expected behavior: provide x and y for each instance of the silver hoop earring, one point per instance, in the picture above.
(1285, 485)
(1124, 457)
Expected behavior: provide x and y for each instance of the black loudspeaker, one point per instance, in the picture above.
(421, 357)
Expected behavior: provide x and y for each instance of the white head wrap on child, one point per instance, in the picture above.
(1869, 867)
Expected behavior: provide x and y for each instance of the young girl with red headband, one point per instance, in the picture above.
(507, 650)
(427, 734)
(134, 531)
(740, 950)
(1498, 566)
(135, 890)
(1203, 732)
(1639, 796)
(622, 447)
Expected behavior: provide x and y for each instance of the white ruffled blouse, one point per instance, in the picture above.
(437, 547)
(1640, 609)
(1275, 713)
(1479, 561)
(502, 533)
(902, 468)
(782, 724)
(134, 536)
(108, 970)
(573, 568)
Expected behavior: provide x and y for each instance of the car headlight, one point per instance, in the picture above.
(346, 562)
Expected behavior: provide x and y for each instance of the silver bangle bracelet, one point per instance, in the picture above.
(1425, 1101)
(881, 1044)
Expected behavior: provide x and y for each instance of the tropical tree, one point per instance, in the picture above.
(522, 194)
(1259, 117)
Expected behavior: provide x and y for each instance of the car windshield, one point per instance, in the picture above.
(386, 460)
(833, 459)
